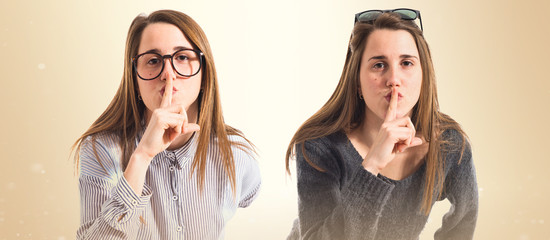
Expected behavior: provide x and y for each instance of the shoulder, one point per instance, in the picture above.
(100, 155)
(104, 142)
(453, 135)
(455, 148)
(454, 140)
(247, 169)
(460, 175)
(326, 144)
(237, 139)
(243, 151)
(103, 139)
(240, 145)
(324, 152)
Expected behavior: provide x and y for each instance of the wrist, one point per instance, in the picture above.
(140, 158)
(141, 154)
(371, 166)
(136, 170)
(137, 165)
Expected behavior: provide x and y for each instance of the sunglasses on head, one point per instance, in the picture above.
(404, 13)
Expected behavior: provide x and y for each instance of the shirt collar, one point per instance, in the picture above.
(177, 157)
(184, 154)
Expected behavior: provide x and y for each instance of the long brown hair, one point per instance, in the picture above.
(346, 111)
(125, 114)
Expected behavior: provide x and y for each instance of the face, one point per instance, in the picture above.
(165, 39)
(390, 59)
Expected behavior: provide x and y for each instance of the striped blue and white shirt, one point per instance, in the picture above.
(171, 204)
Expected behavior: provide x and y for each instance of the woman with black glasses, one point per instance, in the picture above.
(160, 163)
(376, 157)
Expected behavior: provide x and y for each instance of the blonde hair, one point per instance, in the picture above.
(125, 113)
(345, 111)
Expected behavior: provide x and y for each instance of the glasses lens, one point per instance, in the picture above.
(406, 14)
(149, 65)
(187, 62)
(369, 16)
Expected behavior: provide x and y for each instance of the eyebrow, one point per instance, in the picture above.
(176, 48)
(401, 56)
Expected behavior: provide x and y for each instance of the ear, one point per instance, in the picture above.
(137, 92)
(359, 92)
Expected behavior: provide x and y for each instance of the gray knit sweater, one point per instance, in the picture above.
(348, 202)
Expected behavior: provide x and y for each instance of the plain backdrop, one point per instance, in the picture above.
(278, 62)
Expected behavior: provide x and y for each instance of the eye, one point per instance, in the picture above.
(379, 65)
(153, 61)
(407, 63)
(181, 57)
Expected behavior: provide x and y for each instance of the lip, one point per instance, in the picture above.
(174, 90)
(388, 96)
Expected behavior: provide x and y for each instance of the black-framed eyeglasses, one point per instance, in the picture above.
(404, 13)
(186, 62)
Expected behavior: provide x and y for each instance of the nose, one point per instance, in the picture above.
(393, 77)
(168, 72)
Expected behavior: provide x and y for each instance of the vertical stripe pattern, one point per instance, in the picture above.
(171, 204)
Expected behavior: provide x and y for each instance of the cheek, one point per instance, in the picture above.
(191, 89)
(146, 88)
(370, 85)
(415, 89)
(149, 96)
(417, 85)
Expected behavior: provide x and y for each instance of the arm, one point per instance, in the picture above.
(461, 190)
(251, 181)
(330, 208)
(110, 209)
(248, 178)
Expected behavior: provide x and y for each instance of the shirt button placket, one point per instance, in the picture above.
(171, 156)
(173, 164)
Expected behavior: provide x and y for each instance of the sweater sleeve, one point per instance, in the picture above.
(461, 191)
(109, 208)
(331, 207)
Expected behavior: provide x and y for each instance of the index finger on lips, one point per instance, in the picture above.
(391, 114)
(167, 97)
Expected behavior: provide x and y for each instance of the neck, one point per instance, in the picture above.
(369, 128)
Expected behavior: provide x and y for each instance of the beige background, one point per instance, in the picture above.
(278, 62)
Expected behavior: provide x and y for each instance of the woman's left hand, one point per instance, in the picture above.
(395, 135)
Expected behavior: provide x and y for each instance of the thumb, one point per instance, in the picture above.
(415, 142)
(191, 127)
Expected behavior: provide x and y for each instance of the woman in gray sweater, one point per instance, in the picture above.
(376, 157)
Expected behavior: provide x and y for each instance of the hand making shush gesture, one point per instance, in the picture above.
(166, 124)
(395, 135)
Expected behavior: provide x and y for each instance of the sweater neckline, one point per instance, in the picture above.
(358, 158)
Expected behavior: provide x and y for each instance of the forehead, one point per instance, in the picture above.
(386, 42)
(162, 37)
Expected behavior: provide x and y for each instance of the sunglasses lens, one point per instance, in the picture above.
(369, 16)
(406, 14)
